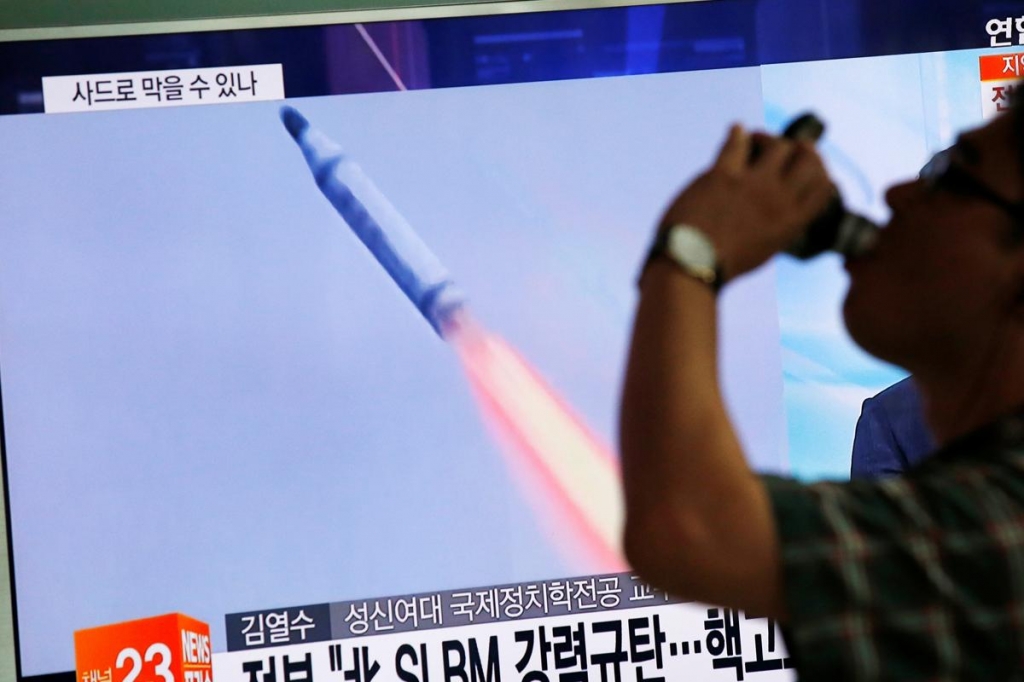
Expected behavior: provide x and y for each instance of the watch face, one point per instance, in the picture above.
(691, 248)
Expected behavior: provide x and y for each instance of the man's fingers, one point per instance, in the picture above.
(735, 152)
(814, 200)
(805, 169)
(758, 140)
(775, 154)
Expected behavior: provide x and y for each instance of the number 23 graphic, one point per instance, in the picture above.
(163, 668)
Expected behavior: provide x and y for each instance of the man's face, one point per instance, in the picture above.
(944, 275)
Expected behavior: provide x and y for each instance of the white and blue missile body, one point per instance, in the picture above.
(378, 224)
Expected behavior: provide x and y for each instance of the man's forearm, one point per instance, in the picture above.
(693, 505)
(671, 400)
(698, 521)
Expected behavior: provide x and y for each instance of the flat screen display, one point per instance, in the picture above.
(316, 334)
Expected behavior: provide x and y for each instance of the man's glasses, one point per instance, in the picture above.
(942, 173)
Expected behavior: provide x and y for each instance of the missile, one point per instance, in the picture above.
(378, 225)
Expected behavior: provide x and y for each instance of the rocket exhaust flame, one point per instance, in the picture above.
(566, 471)
(551, 447)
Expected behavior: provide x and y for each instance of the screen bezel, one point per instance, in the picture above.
(319, 18)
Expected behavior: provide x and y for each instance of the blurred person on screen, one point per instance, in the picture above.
(891, 434)
(914, 577)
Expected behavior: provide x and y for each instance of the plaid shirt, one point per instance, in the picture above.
(919, 577)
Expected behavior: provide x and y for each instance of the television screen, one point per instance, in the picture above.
(315, 334)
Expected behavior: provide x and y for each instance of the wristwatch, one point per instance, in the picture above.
(690, 250)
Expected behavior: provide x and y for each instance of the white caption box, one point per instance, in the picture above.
(170, 88)
(490, 652)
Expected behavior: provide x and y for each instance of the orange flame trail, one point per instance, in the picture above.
(568, 472)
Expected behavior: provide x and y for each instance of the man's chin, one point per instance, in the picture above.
(885, 338)
(862, 323)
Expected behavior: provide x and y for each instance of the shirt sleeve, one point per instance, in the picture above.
(896, 579)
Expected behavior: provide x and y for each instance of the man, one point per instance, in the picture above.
(911, 578)
(891, 436)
